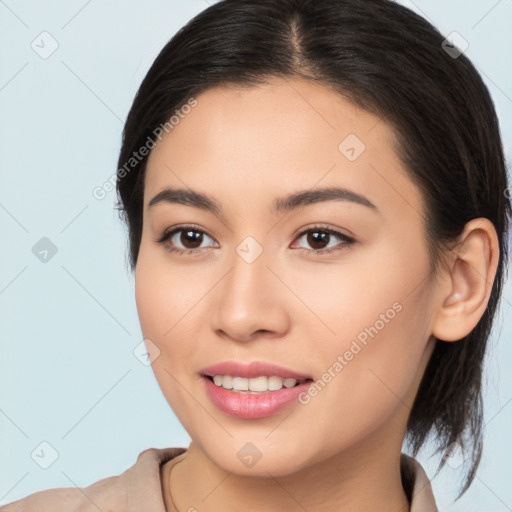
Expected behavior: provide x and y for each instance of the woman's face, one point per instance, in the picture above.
(332, 286)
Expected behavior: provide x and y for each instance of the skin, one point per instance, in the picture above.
(292, 307)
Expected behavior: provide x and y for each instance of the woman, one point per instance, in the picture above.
(315, 197)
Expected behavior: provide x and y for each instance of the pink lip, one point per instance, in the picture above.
(252, 405)
(254, 369)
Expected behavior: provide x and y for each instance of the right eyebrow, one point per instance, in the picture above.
(188, 198)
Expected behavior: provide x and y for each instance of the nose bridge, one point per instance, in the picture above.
(246, 282)
(247, 300)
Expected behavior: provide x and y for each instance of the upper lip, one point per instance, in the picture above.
(253, 369)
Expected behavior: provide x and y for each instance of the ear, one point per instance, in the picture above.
(468, 281)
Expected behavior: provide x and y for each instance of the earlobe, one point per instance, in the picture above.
(469, 279)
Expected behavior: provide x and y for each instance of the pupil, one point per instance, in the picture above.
(317, 237)
(193, 236)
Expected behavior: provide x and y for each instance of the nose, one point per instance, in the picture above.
(250, 302)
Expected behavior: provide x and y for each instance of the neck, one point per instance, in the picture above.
(362, 480)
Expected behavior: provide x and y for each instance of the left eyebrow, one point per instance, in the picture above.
(307, 197)
(202, 201)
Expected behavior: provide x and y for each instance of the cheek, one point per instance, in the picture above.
(376, 327)
(162, 302)
(164, 293)
(168, 298)
(361, 297)
(366, 384)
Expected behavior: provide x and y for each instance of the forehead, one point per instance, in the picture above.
(287, 111)
(277, 137)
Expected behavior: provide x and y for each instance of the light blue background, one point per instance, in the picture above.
(68, 374)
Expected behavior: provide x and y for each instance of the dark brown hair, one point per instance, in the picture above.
(390, 62)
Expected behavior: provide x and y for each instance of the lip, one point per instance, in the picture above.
(253, 405)
(250, 370)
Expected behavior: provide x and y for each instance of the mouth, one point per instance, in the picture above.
(255, 385)
(255, 390)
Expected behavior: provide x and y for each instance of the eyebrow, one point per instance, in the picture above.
(285, 204)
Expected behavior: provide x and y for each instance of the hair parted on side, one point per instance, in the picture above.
(390, 62)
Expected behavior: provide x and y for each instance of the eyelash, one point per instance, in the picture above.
(347, 241)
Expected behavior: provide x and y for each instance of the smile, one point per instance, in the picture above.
(260, 384)
(253, 390)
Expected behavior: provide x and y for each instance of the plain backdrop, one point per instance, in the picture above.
(69, 377)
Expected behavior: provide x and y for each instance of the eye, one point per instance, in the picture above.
(320, 238)
(188, 239)
(184, 239)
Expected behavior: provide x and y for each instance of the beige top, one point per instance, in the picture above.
(139, 488)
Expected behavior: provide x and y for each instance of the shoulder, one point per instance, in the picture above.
(417, 485)
(138, 486)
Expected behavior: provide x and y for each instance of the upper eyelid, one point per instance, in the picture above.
(301, 231)
(334, 231)
(176, 229)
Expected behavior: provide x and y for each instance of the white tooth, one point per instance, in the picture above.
(240, 384)
(255, 384)
(227, 382)
(289, 383)
(258, 384)
(275, 383)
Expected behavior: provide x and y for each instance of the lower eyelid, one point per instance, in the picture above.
(345, 240)
(341, 236)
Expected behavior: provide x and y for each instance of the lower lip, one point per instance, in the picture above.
(253, 405)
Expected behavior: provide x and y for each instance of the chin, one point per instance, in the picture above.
(257, 459)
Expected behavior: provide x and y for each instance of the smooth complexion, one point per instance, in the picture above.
(292, 306)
